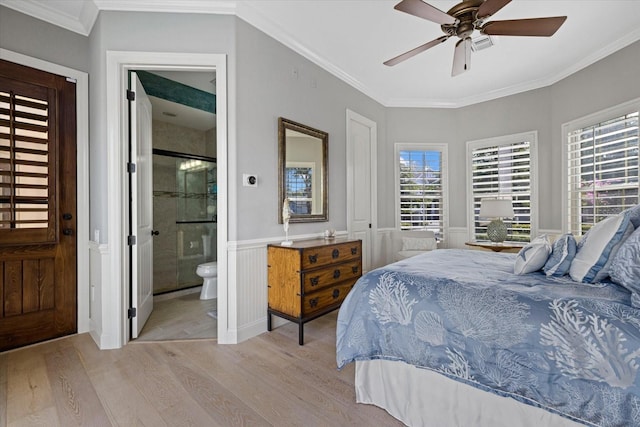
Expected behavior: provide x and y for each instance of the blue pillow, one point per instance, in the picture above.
(625, 266)
(562, 253)
(590, 264)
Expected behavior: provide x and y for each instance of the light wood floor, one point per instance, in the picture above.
(181, 317)
(267, 380)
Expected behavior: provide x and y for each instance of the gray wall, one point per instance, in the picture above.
(267, 90)
(607, 83)
(32, 37)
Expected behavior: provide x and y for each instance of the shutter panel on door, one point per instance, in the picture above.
(27, 163)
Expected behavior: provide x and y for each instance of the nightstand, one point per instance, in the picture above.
(497, 247)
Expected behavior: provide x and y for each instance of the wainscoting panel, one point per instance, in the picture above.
(456, 238)
(100, 276)
(251, 289)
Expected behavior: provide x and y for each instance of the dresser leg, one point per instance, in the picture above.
(269, 322)
(301, 334)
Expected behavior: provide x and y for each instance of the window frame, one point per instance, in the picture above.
(425, 146)
(314, 187)
(592, 119)
(532, 137)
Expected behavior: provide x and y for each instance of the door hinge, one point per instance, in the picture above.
(369, 225)
(131, 240)
(131, 313)
(131, 167)
(131, 95)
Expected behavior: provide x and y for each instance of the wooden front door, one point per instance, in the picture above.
(37, 206)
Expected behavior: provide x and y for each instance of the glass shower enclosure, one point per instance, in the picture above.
(184, 214)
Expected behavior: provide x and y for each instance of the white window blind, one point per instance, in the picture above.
(421, 190)
(602, 171)
(503, 170)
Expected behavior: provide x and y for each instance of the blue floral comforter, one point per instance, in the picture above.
(568, 347)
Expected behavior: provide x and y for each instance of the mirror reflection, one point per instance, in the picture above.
(302, 171)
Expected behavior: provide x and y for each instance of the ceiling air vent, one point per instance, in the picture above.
(481, 43)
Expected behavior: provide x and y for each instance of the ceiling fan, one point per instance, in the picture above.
(466, 17)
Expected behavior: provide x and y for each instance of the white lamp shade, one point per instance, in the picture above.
(496, 208)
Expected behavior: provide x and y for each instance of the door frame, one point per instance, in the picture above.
(82, 175)
(119, 63)
(352, 116)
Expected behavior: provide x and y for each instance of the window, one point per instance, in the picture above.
(27, 162)
(504, 167)
(602, 166)
(421, 187)
(300, 180)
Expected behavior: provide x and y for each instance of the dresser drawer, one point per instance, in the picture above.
(317, 257)
(317, 279)
(318, 301)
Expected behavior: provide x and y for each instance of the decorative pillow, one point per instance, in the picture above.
(418, 243)
(625, 265)
(533, 256)
(562, 253)
(597, 245)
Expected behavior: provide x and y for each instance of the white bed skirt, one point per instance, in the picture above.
(420, 397)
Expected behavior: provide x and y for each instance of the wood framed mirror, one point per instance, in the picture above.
(302, 171)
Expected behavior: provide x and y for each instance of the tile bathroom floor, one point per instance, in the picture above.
(181, 315)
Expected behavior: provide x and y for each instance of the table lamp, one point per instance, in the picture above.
(496, 209)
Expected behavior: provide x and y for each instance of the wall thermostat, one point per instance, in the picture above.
(249, 180)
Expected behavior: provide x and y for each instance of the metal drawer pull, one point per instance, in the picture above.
(314, 280)
(313, 258)
(67, 231)
(354, 251)
(336, 293)
(336, 274)
(313, 302)
(335, 254)
(354, 270)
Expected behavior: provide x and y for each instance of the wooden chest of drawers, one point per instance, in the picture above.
(311, 278)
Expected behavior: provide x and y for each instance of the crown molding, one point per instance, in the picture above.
(81, 24)
(253, 17)
(220, 7)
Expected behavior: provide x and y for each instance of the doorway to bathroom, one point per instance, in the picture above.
(184, 203)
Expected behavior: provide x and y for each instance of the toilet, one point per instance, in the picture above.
(209, 273)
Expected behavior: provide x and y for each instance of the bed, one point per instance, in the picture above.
(454, 337)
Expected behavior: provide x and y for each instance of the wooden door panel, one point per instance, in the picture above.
(38, 285)
(38, 262)
(12, 288)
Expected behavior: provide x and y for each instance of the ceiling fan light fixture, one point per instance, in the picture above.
(482, 42)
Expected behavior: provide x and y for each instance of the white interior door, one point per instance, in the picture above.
(361, 183)
(142, 207)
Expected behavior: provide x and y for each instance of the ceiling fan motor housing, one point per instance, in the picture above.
(466, 17)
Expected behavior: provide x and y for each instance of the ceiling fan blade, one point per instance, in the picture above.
(461, 57)
(417, 50)
(536, 27)
(491, 7)
(425, 10)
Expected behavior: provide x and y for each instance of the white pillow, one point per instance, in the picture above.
(603, 239)
(418, 243)
(533, 256)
